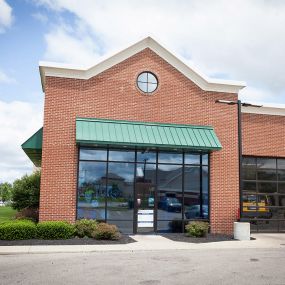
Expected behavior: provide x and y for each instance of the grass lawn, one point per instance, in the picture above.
(6, 214)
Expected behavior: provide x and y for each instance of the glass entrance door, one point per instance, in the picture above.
(145, 197)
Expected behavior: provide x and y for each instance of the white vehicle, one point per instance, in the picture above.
(2, 204)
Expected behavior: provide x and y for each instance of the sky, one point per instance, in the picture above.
(237, 40)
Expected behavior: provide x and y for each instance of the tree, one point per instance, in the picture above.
(26, 192)
(5, 191)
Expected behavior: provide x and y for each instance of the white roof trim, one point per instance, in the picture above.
(266, 109)
(205, 83)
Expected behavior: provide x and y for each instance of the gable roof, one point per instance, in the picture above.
(205, 83)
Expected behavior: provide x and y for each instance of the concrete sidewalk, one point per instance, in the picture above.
(152, 243)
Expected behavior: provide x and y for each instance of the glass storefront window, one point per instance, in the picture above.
(263, 191)
(115, 184)
(91, 190)
(120, 191)
(170, 157)
(169, 192)
(146, 156)
(192, 158)
(122, 155)
(92, 154)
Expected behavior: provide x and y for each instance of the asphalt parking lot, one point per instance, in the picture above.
(197, 266)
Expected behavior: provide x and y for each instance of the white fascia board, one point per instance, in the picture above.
(69, 71)
(266, 109)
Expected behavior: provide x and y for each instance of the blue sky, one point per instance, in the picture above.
(239, 40)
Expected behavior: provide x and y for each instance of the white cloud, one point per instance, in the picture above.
(4, 78)
(19, 120)
(5, 15)
(243, 40)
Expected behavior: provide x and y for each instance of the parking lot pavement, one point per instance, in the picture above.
(213, 266)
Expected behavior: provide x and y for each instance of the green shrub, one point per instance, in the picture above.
(106, 231)
(55, 230)
(26, 192)
(14, 230)
(197, 229)
(85, 227)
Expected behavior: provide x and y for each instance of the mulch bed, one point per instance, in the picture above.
(209, 238)
(74, 241)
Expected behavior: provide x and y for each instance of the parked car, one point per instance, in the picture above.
(2, 204)
(193, 212)
(169, 204)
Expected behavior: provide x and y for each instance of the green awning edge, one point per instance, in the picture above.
(33, 147)
(204, 137)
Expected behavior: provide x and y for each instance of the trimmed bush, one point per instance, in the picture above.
(106, 231)
(85, 227)
(197, 229)
(55, 230)
(14, 230)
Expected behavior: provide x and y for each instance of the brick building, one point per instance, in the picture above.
(139, 140)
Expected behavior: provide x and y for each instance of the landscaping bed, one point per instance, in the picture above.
(124, 239)
(180, 237)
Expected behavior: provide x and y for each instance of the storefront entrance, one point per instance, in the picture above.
(142, 191)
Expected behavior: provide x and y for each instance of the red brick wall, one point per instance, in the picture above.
(263, 135)
(113, 94)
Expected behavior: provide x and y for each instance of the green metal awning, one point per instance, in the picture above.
(149, 135)
(33, 147)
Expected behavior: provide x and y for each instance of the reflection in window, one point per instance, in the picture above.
(93, 154)
(169, 192)
(146, 156)
(263, 192)
(121, 155)
(192, 158)
(168, 157)
(120, 191)
(91, 190)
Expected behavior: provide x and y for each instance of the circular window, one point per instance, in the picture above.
(147, 82)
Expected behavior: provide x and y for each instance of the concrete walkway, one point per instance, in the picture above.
(152, 243)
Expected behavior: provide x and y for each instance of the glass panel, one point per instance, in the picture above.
(266, 163)
(281, 175)
(142, 77)
(145, 189)
(205, 192)
(281, 163)
(249, 161)
(267, 187)
(282, 200)
(121, 155)
(125, 227)
(192, 158)
(267, 226)
(192, 192)
(142, 86)
(91, 190)
(205, 159)
(93, 154)
(120, 191)
(169, 192)
(249, 173)
(249, 186)
(266, 174)
(152, 78)
(281, 188)
(173, 226)
(151, 87)
(144, 156)
(168, 157)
